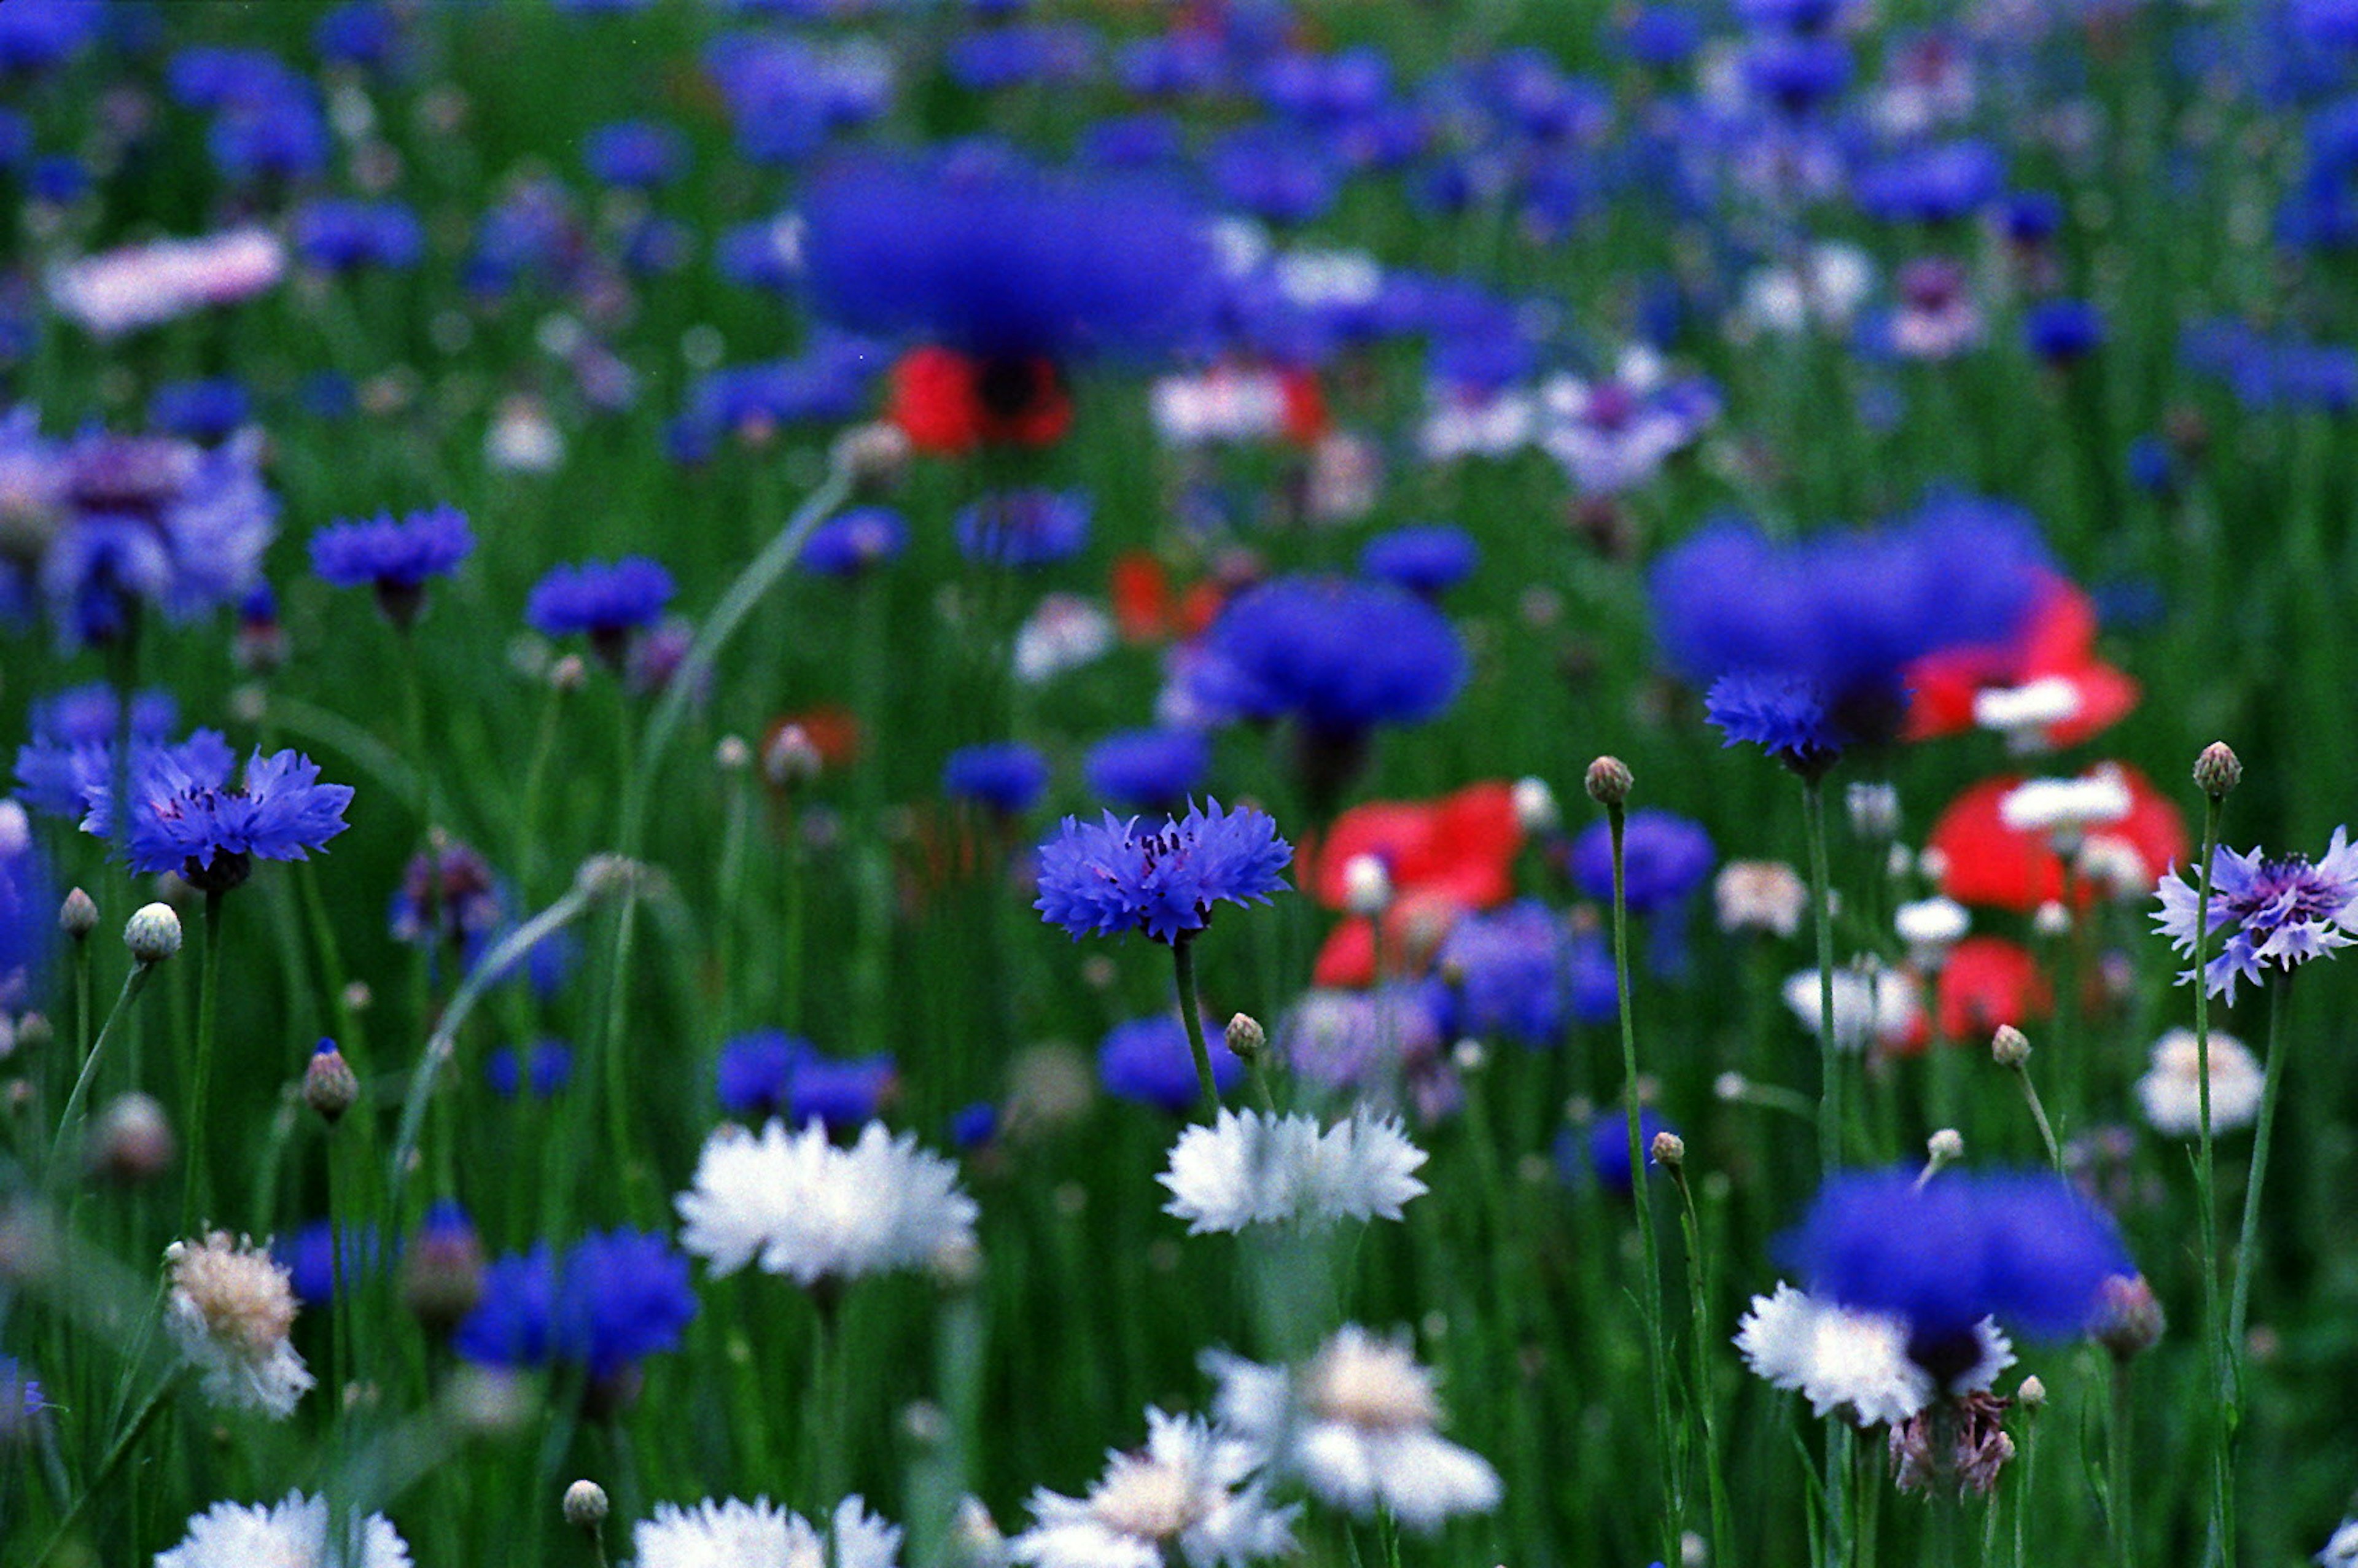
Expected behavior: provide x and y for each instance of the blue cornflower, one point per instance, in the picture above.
(848, 545)
(843, 1096)
(1149, 1061)
(1663, 857)
(639, 154)
(1148, 770)
(548, 1067)
(209, 411)
(755, 1071)
(1803, 645)
(72, 744)
(186, 816)
(2024, 1247)
(607, 601)
(2062, 331)
(980, 252)
(335, 234)
(617, 1296)
(28, 906)
(974, 1125)
(1338, 655)
(1505, 972)
(1008, 777)
(2283, 911)
(1104, 879)
(1427, 561)
(1937, 183)
(394, 558)
(312, 1265)
(1024, 527)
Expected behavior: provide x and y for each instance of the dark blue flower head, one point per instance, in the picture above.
(848, 545)
(1277, 173)
(1937, 183)
(1148, 770)
(1663, 857)
(1149, 1061)
(394, 558)
(1604, 1152)
(185, 815)
(359, 32)
(974, 1126)
(546, 1067)
(1505, 972)
(606, 601)
(1008, 777)
(1427, 561)
(844, 1096)
(73, 737)
(1024, 527)
(980, 252)
(312, 1265)
(209, 411)
(2024, 1247)
(2062, 331)
(1803, 645)
(755, 1071)
(1105, 879)
(36, 34)
(335, 234)
(28, 906)
(1336, 654)
(1661, 36)
(449, 897)
(616, 1297)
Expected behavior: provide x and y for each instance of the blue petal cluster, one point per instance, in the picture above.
(1663, 857)
(1008, 776)
(2283, 911)
(771, 1073)
(186, 816)
(28, 908)
(979, 250)
(546, 1067)
(1339, 655)
(1106, 878)
(1803, 645)
(1148, 770)
(848, 545)
(392, 558)
(1604, 1152)
(1149, 1061)
(1024, 527)
(605, 600)
(1427, 561)
(1506, 973)
(2024, 1247)
(616, 1297)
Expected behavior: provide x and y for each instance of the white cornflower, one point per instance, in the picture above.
(1255, 1168)
(294, 1534)
(2024, 714)
(230, 1311)
(807, 1208)
(1763, 895)
(2342, 1551)
(1930, 926)
(2064, 810)
(140, 285)
(1883, 1005)
(759, 1534)
(1065, 633)
(2171, 1090)
(1190, 1488)
(1357, 1424)
(1855, 1362)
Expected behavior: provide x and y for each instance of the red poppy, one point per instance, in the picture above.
(1987, 982)
(2059, 642)
(1146, 609)
(833, 732)
(1307, 421)
(949, 404)
(1445, 856)
(1985, 862)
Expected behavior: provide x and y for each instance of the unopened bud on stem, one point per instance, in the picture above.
(1608, 782)
(2217, 770)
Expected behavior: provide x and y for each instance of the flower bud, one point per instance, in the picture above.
(732, 755)
(131, 1141)
(2130, 1321)
(585, 1505)
(1668, 1151)
(77, 915)
(1247, 1038)
(1535, 809)
(1945, 1146)
(874, 455)
(329, 1086)
(2217, 770)
(153, 933)
(442, 1277)
(790, 757)
(2032, 1395)
(2009, 1047)
(568, 674)
(1608, 782)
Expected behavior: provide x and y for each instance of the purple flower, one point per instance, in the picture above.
(1506, 973)
(606, 601)
(2283, 911)
(207, 411)
(638, 154)
(1663, 857)
(1147, 1060)
(617, 1296)
(754, 1070)
(394, 558)
(186, 816)
(72, 744)
(336, 234)
(1105, 879)
(847, 545)
(448, 895)
(1007, 777)
(313, 1267)
(2024, 1247)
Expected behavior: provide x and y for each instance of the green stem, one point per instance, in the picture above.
(2119, 1517)
(2039, 1115)
(116, 1455)
(2247, 1246)
(2222, 1502)
(1649, 1298)
(1699, 1341)
(194, 1196)
(1830, 1105)
(1183, 956)
(70, 1124)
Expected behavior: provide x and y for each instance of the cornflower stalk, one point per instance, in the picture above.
(1183, 958)
(1609, 784)
(193, 1196)
(70, 1123)
(1699, 1343)
(2222, 1501)
(1839, 1445)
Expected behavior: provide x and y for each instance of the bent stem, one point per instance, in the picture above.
(70, 1124)
(1183, 956)
(1650, 1299)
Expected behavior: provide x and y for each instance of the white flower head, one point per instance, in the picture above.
(1759, 895)
(2342, 1551)
(808, 1209)
(1254, 1168)
(2064, 810)
(2024, 714)
(1881, 1006)
(1356, 1422)
(1855, 1362)
(1065, 632)
(2171, 1090)
(728, 1533)
(1930, 926)
(231, 1307)
(293, 1534)
(1190, 1487)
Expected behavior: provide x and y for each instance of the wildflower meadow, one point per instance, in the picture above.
(1178, 784)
